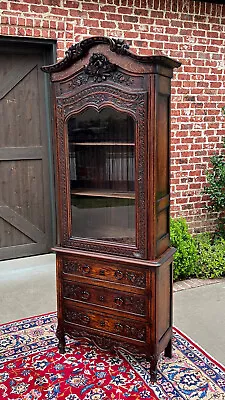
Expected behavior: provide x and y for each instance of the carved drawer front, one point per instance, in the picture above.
(111, 298)
(111, 273)
(119, 326)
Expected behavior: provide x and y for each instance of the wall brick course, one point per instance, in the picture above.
(190, 31)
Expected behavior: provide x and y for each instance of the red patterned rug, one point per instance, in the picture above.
(31, 368)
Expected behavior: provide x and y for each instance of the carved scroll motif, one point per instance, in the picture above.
(79, 50)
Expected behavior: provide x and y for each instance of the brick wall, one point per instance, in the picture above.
(191, 32)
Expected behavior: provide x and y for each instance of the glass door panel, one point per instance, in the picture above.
(102, 175)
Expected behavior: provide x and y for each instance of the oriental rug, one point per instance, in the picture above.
(31, 368)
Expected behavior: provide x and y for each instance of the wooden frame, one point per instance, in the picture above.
(21, 234)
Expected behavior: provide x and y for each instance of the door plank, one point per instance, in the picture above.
(16, 75)
(22, 224)
(21, 153)
(21, 250)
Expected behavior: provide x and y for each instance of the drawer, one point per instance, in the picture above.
(119, 326)
(103, 271)
(111, 298)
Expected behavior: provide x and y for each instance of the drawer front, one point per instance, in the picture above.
(119, 326)
(102, 296)
(103, 271)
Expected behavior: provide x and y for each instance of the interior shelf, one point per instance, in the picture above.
(103, 193)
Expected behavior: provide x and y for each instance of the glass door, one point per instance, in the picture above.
(102, 175)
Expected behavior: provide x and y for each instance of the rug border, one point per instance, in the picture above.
(221, 366)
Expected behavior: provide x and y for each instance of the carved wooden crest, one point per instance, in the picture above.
(99, 67)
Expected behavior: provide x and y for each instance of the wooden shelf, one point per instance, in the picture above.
(103, 193)
(101, 144)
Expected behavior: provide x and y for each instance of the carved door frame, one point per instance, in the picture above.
(99, 96)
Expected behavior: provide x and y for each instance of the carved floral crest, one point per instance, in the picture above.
(99, 67)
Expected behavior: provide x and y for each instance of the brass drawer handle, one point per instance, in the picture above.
(119, 301)
(85, 269)
(85, 319)
(118, 274)
(85, 295)
(102, 323)
(119, 327)
(102, 298)
(102, 272)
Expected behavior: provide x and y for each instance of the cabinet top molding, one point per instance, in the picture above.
(118, 46)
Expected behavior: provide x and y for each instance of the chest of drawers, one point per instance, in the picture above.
(116, 303)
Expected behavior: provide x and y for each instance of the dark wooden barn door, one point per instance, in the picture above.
(25, 184)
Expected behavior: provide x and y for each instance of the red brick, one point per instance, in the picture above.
(125, 10)
(90, 6)
(129, 18)
(39, 9)
(141, 11)
(92, 23)
(4, 5)
(4, 30)
(109, 24)
(29, 32)
(96, 15)
(21, 21)
(71, 4)
(114, 17)
(78, 13)
(19, 7)
(49, 2)
(132, 35)
(108, 8)
(4, 20)
(12, 30)
(13, 21)
(52, 34)
(173, 31)
(53, 24)
(96, 32)
(81, 30)
(59, 11)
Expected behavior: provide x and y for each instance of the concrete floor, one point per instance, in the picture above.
(200, 313)
(27, 288)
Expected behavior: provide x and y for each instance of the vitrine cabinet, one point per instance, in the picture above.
(112, 137)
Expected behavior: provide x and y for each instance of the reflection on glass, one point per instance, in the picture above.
(102, 168)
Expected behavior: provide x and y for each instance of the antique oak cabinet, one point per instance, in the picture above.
(114, 261)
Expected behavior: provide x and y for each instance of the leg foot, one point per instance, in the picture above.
(61, 337)
(168, 349)
(154, 375)
(153, 367)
